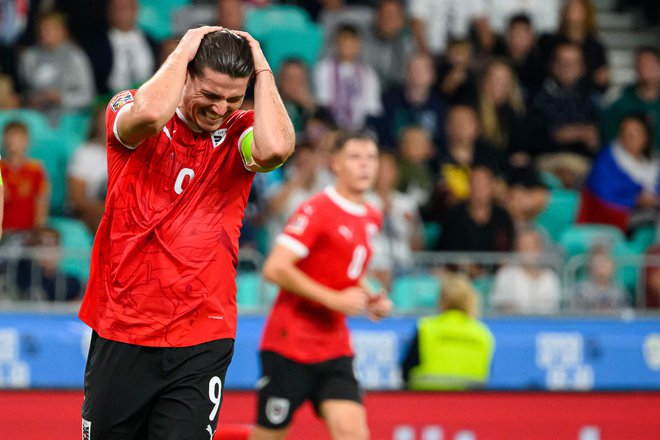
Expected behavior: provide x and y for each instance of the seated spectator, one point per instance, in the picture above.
(389, 42)
(415, 151)
(651, 280)
(335, 13)
(578, 26)
(347, 86)
(412, 103)
(563, 118)
(294, 87)
(543, 13)
(455, 81)
(26, 187)
(231, 14)
(56, 74)
(623, 188)
(641, 97)
(41, 276)
(521, 50)
(88, 175)
(402, 232)
(526, 197)
(599, 292)
(477, 224)
(133, 53)
(9, 99)
(452, 350)
(8, 61)
(526, 287)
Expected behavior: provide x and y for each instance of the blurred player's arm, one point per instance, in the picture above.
(280, 268)
(156, 101)
(379, 305)
(274, 137)
(2, 203)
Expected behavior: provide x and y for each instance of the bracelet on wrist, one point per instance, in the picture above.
(257, 72)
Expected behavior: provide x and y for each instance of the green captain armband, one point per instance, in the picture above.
(245, 146)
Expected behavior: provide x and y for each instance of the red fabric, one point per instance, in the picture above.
(594, 210)
(338, 242)
(23, 186)
(163, 263)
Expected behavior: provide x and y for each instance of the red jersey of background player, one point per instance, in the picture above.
(332, 235)
(163, 263)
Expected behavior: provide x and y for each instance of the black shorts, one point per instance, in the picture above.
(143, 393)
(286, 384)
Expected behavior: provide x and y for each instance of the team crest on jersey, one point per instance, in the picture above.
(120, 99)
(372, 232)
(298, 225)
(277, 409)
(86, 430)
(218, 136)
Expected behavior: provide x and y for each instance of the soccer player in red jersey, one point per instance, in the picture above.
(319, 262)
(161, 296)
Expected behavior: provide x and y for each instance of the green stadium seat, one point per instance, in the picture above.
(483, 285)
(75, 127)
(560, 212)
(642, 238)
(247, 296)
(53, 153)
(305, 44)
(414, 292)
(76, 242)
(550, 180)
(432, 233)
(275, 18)
(578, 239)
(629, 261)
(154, 16)
(37, 123)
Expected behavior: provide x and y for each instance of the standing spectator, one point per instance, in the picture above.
(413, 103)
(346, 85)
(452, 350)
(543, 13)
(564, 118)
(478, 224)
(88, 175)
(643, 97)
(402, 229)
(599, 292)
(133, 56)
(525, 286)
(389, 42)
(296, 92)
(455, 80)
(26, 188)
(623, 187)
(520, 48)
(436, 22)
(415, 152)
(578, 26)
(56, 74)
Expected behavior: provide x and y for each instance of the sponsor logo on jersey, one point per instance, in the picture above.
(218, 137)
(120, 99)
(86, 430)
(277, 409)
(298, 225)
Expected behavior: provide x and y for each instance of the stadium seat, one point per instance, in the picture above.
(76, 242)
(550, 180)
(53, 153)
(37, 123)
(247, 296)
(75, 127)
(155, 16)
(578, 239)
(483, 285)
(560, 212)
(414, 292)
(432, 233)
(642, 238)
(305, 44)
(628, 260)
(275, 18)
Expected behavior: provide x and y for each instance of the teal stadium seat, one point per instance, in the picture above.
(305, 44)
(275, 18)
(578, 239)
(432, 233)
(483, 285)
(642, 238)
(247, 296)
(414, 292)
(75, 128)
(559, 213)
(76, 242)
(53, 152)
(155, 16)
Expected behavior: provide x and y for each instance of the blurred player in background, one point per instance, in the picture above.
(319, 263)
(161, 296)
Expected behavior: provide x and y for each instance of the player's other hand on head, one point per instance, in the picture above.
(379, 306)
(190, 41)
(351, 301)
(257, 54)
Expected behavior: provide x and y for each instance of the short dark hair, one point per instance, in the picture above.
(223, 52)
(520, 19)
(647, 49)
(345, 137)
(347, 28)
(643, 120)
(16, 125)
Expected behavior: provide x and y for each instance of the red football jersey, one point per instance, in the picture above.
(164, 258)
(332, 236)
(23, 186)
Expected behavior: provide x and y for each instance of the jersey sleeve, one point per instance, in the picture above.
(302, 231)
(117, 105)
(245, 126)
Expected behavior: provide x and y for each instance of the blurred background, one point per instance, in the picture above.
(519, 150)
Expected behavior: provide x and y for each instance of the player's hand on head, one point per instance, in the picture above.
(351, 301)
(260, 62)
(190, 41)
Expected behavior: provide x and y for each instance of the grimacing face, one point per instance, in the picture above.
(209, 98)
(356, 165)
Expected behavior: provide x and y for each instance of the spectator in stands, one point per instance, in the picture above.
(296, 92)
(335, 13)
(641, 97)
(347, 86)
(543, 13)
(401, 233)
(623, 187)
(652, 277)
(452, 350)
(435, 22)
(133, 53)
(525, 286)
(455, 81)
(526, 196)
(520, 49)
(56, 74)
(412, 103)
(477, 224)
(8, 61)
(88, 175)
(578, 26)
(231, 14)
(599, 292)
(415, 152)
(26, 187)
(502, 109)
(41, 275)
(564, 118)
(9, 99)
(389, 43)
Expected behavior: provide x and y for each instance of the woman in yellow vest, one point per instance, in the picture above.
(452, 350)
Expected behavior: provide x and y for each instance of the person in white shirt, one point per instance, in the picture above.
(526, 287)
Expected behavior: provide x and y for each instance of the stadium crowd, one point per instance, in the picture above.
(499, 127)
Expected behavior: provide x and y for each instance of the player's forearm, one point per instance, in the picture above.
(274, 137)
(293, 280)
